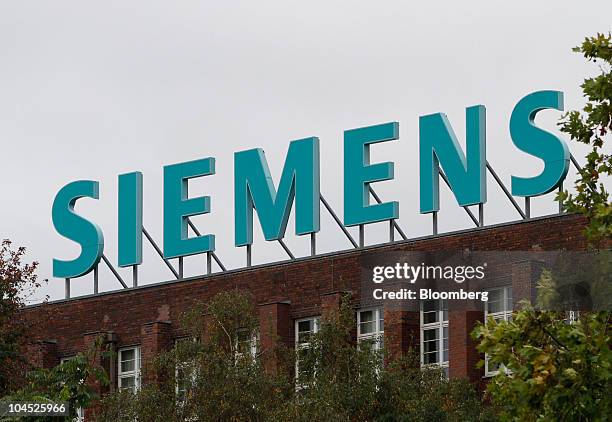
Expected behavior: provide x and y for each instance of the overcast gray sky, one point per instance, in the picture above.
(89, 90)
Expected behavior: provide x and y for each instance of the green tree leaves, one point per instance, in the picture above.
(554, 370)
(557, 369)
(18, 282)
(340, 381)
(68, 382)
(593, 126)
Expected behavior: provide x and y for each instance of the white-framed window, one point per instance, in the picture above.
(129, 368)
(499, 306)
(185, 379)
(371, 328)
(246, 343)
(304, 329)
(434, 333)
(571, 317)
(185, 374)
(80, 417)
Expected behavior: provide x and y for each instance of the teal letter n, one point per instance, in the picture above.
(439, 147)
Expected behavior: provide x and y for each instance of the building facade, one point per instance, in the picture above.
(140, 322)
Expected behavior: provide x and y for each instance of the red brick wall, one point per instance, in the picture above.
(275, 331)
(43, 353)
(149, 315)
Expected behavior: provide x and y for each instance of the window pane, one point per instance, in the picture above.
(303, 365)
(244, 347)
(429, 358)
(509, 299)
(496, 295)
(365, 316)
(430, 334)
(430, 317)
(128, 365)
(382, 321)
(431, 346)
(128, 360)
(305, 326)
(445, 344)
(444, 304)
(368, 343)
(303, 338)
(184, 381)
(127, 382)
(430, 305)
(245, 342)
(367, 327)
(305, 329)
(127, 354)
(495, 302)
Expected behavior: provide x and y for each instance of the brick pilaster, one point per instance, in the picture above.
(107, 341)
(156, 337)
(275, 331)
(43, 354)
(463, 356)
(330, 302)
(402, 332)
(525, 274)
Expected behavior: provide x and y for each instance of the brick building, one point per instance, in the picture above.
(142, 321)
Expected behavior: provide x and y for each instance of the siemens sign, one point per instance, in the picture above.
(255, 190)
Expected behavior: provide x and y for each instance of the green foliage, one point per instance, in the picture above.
(68, 382)
(592, 127)
(18, 281)
(348, 383)
(217, 376)
(65, 382)
(219, 380)
(578, 280)
(554, 370)
(409, 393)
(337, 380)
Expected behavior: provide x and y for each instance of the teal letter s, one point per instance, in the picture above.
(537, 142)
(76, 228)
